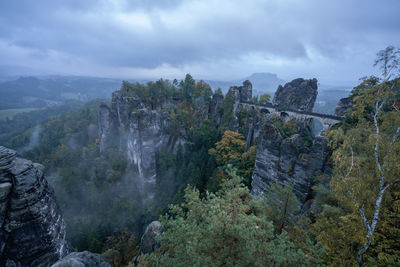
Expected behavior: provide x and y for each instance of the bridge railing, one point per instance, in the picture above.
(269, 105)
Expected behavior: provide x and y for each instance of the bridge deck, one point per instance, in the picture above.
(327, 116)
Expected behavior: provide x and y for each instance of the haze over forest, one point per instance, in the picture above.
(199, 133)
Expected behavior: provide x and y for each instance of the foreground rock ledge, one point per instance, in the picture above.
(32, 229)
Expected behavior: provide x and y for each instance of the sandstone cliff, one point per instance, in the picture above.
(32, 230)
(298, 94)
(287, 151)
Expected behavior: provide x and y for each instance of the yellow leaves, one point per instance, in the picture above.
(335, 138)
(230, 147)
(264, 98)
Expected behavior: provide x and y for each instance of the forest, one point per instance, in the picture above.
(202, 193)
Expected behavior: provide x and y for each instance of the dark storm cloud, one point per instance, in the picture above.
(147, 34)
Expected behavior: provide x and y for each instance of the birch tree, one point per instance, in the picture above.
(367, 162)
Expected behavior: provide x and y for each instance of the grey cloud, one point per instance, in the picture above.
(89, 30)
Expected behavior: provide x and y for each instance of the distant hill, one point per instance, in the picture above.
(264, 83)
(329, 96)
(42, 91)
(38, 92)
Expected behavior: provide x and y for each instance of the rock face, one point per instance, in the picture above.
(82, 259)
(287, 156)
(244, 92)
(287, 159)
(139, 130)
(298, 94)
(32, 229)
(217, 101)
(148, 243)
(343, 105)
(106, 126)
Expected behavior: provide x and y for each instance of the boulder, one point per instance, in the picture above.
(244, 92)
(299, 94)
(149, 243)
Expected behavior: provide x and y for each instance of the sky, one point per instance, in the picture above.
(335, 41)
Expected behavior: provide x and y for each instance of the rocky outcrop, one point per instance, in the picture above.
(217, 100)
(287, 151)
(298, 94)
(82, 259)
(140, 130)
(32, 229)
(244, 92)
(343, 105)
(106, 126)
(149, 243)
(285, 159)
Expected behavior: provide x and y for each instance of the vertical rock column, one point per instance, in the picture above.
(6, 161)
(32, 228)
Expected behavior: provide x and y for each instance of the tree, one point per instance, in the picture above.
(188, 87)
(202, 89)
(121, 247)
(384, 173)
(282, 205)
(226, 110)
(368, 152)
(264, 99)
(228, 228)
(389, 62)
(229, 148)
(246, 167)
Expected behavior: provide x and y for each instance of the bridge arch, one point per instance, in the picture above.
(284, 114)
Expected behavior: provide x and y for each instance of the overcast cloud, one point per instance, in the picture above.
(335, 41)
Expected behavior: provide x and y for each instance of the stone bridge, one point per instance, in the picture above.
(326, 120)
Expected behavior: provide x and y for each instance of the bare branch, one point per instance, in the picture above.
(392, 183)
(365, 220)
(395, 136)
(378, 164)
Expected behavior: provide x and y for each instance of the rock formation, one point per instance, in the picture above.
(244, 92)
(287, 160)
(106, 126)
(140, 130)
(343, 105)
(32, 230)
(148, 242)
(217, 101)
(82, 259)
(294, 156)
(298, 94)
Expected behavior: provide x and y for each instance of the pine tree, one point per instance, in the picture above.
(228, 228)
